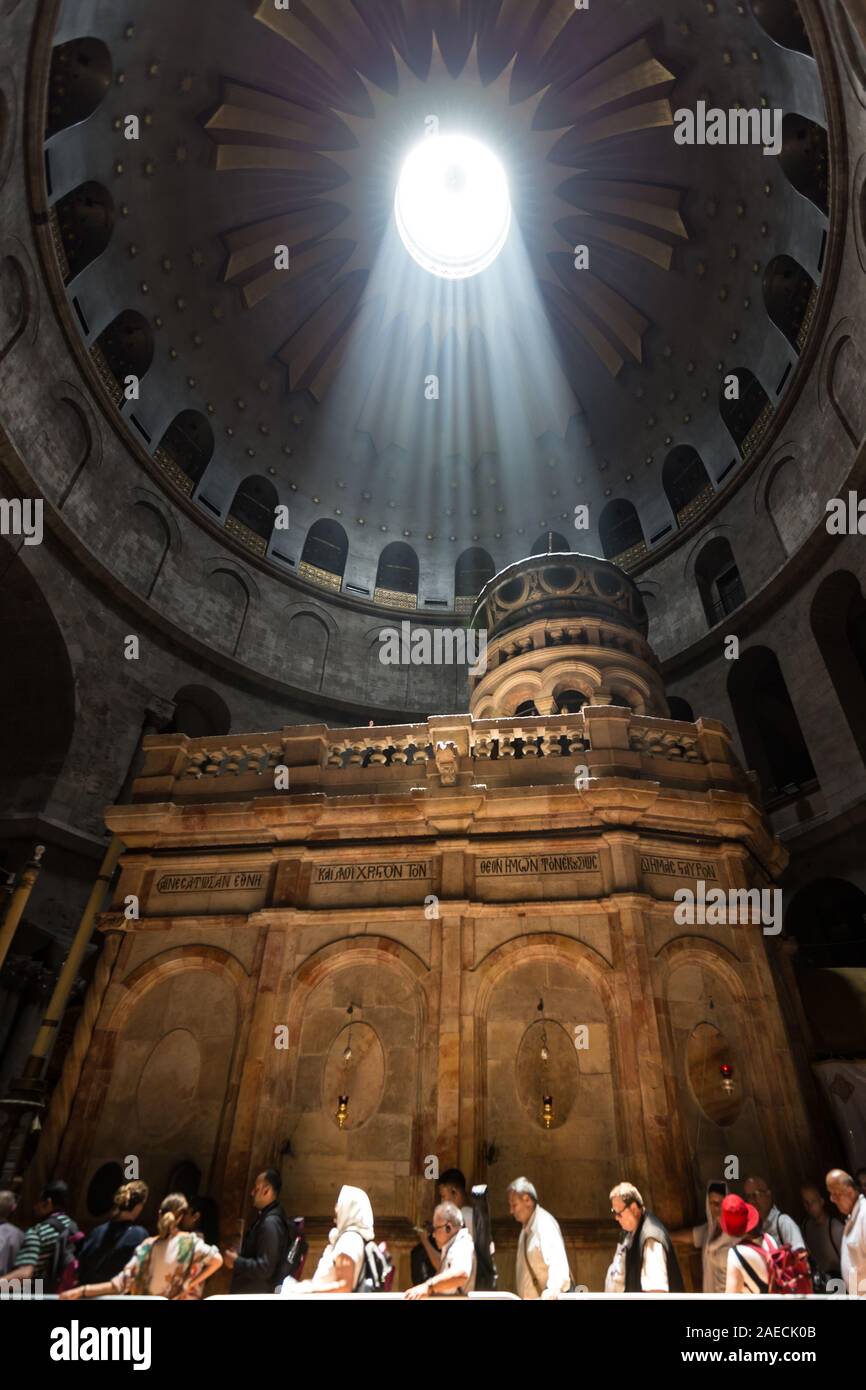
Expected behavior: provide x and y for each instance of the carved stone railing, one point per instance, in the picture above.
(609, 741)
(655, 742)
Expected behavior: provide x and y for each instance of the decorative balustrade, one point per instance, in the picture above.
(654, 742)
(611, 741)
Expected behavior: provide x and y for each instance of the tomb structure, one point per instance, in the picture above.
(449, 943)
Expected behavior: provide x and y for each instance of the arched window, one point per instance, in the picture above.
(838, 618)
(790, 294)
(526, 710)
(472, 571)
(719, 583)
(397, 576)
(805, 159)
(619, 528)
(79, 79)
(782, 20)
(85, 220)
(550, 543)
(123, 349)
(680, 708)
(745, 408)
(185, 449)
(571, 701)
(323, 559)
(686, 484)
(773, 741)
(200, 713)
(252, 514)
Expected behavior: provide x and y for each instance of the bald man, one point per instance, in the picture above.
(846, 1195)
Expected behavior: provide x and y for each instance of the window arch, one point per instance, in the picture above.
(805, 160)
(772, 739)
(789, 297)
(571, 701)
(200, 712)
(124, 348)
(619, 528)
(549, 543)
(252, 513)
(718, 579)
(747, 416)
(397, 576)
(326, 549)
(85, 220)
(473, 570)
(79, 79)
(185, 449)
(526, 710)
(838, 620)
(686, 483)
(680, 708)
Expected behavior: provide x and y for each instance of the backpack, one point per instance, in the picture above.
(62, 1271)
(788, 1270)
(292, 1263)
(377, 1271)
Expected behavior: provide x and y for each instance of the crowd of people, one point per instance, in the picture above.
(747, 1244)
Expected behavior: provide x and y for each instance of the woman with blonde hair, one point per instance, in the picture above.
(170, 1264)
(108, 1247)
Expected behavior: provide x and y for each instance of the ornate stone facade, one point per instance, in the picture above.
(480, 910)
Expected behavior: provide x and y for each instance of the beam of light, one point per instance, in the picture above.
(503, 396)
(452, 206)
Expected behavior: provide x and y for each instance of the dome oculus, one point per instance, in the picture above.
(452, 206)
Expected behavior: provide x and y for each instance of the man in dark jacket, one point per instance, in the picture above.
(257, 1269)
(649, 1264)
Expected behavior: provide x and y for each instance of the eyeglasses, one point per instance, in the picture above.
(445, 1227)
(622, 1210)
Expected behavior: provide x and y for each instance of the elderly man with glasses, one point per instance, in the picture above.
(457, 1261)
(645, 1261)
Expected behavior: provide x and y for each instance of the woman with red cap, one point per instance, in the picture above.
(748, 1266)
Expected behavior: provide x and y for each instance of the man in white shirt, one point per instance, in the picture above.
(456, 1273)
(775, 1223)
(542, 1263)
(845, 1195)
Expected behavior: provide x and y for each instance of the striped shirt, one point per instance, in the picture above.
(37, 1247)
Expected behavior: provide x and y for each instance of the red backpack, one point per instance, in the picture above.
(787, 1269)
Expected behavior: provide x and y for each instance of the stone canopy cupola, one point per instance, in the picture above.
(563, 631)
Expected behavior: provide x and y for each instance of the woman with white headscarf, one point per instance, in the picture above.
(339, 1269)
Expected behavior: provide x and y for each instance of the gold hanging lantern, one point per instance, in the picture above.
(342, 1112)
(547, 1111)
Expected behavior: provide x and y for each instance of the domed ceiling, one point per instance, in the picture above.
(263, 128)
